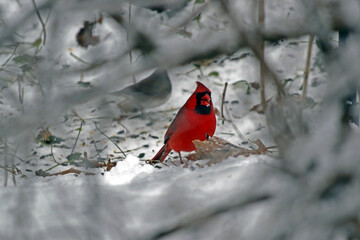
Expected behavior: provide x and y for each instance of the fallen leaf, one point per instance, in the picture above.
(44, 136)
(110, 165)
(217, 150)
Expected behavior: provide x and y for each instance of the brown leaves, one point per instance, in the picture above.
(108, 166)
(217, 149)
(95, 164)
(44, 135)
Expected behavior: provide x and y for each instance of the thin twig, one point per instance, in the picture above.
(80, 129)
(8, 170)
(68, 161)
(58, 164)
(234, 126)
(52, 153)
(90, 118)
(261, 19)
(7, 60)
(98, 151)
(77, 115)
(6, 163)
(79, 59)
(254, 46)
(222, 100)
(306, 75)
(164, 164)
(21, 91)
(131, 150)
(126, 129)
(13, 165)
(41, 21)
(110, 140)
(128, 42)
(174, 163)
(307, 66)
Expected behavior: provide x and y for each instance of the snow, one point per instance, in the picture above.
(244, 197)
(126, 170)
(135, 200)
(149, 202)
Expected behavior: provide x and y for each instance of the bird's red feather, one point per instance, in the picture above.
(189, 125)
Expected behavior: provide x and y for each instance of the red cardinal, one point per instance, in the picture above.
(194, 121)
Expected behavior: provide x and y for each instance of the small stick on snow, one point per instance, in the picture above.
(6, 162)
(77, 138)
(306, 72)
(41, 20)
(97, 150)
(222, 101)
(110, 140)
(307, 66)
(234, 126)
(129, 46)
(261, 18)
(52, 153)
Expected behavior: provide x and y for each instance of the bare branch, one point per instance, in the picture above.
(41, 21)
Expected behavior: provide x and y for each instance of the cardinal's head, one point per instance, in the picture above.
(200, 100)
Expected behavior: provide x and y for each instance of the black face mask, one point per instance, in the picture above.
(202, 109)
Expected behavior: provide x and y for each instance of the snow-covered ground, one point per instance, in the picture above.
(138, 201)
(135, 200)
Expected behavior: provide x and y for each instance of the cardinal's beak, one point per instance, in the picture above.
(205, 100)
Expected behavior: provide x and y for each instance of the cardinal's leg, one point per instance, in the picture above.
(181, 161)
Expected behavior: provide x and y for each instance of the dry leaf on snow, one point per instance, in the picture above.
(217, 149)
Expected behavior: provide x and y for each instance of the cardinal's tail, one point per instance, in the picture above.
(163, 152)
